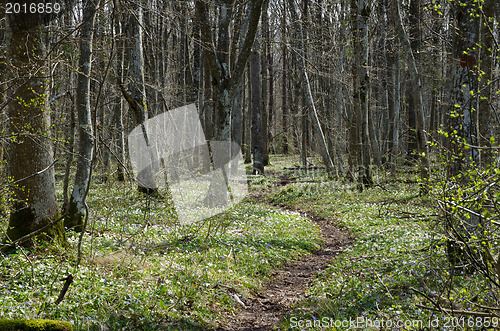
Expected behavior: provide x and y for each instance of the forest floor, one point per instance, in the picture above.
(302, 252)
(266, 309)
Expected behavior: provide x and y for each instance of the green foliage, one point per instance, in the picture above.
(373, 277)
(143, 270)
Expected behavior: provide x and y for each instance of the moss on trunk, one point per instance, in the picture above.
(21, 224)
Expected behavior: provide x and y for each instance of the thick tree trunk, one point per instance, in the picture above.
(30, 155)
(414, 36)
(462, 124)
(484, 127)
(360, 15)
(76, 208)
(136, 98)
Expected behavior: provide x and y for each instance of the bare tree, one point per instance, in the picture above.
(418, 98)
(327, 160)
(76, 208)
(136, 95)
(225, 79)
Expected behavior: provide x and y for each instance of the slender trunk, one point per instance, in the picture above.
(270, 108)
(256, 102)
(396, 120)
(284, 87)
(264, 86)
(71, 148)
(419, 107)
(76, 208)
(248, 119)
(118, 109)
(327, 160)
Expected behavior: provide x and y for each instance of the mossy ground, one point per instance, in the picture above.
(34, 325)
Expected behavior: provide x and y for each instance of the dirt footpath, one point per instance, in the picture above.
(266, 309)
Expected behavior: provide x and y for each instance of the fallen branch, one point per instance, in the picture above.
(459, 312)
(67, 282)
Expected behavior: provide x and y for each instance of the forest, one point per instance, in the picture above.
(249, 165)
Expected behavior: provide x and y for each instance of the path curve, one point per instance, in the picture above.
(265, 309)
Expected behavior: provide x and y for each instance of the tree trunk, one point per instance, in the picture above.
(256, 102)
(360, 15)
(484, 127)
(418, 98)
(247, 119)
(71, 147)
(396, 121)
(327, 160)
(225, 79)
(284, 87)
(30, 154)
(136, 98)
(270, 108)
(76, 208)
(264, 86)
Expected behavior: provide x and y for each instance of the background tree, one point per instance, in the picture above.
(225, 80)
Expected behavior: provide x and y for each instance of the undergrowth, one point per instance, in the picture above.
(142, 270)
(395, 272)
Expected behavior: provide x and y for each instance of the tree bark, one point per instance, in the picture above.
(270, 108)
(418, 98)
(325, 154)
(76, 208)
(284, 87)
(483, 120)
(256, 102)
(30, 153)
(360, 15)
(225, 79)
(136, 98)
(264, 85)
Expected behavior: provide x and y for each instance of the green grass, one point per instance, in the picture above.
(141, 270)
(397, 252)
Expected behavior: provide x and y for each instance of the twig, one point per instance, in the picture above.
(28, 177)
(67, 282)
(459, 312)
(438, 307)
